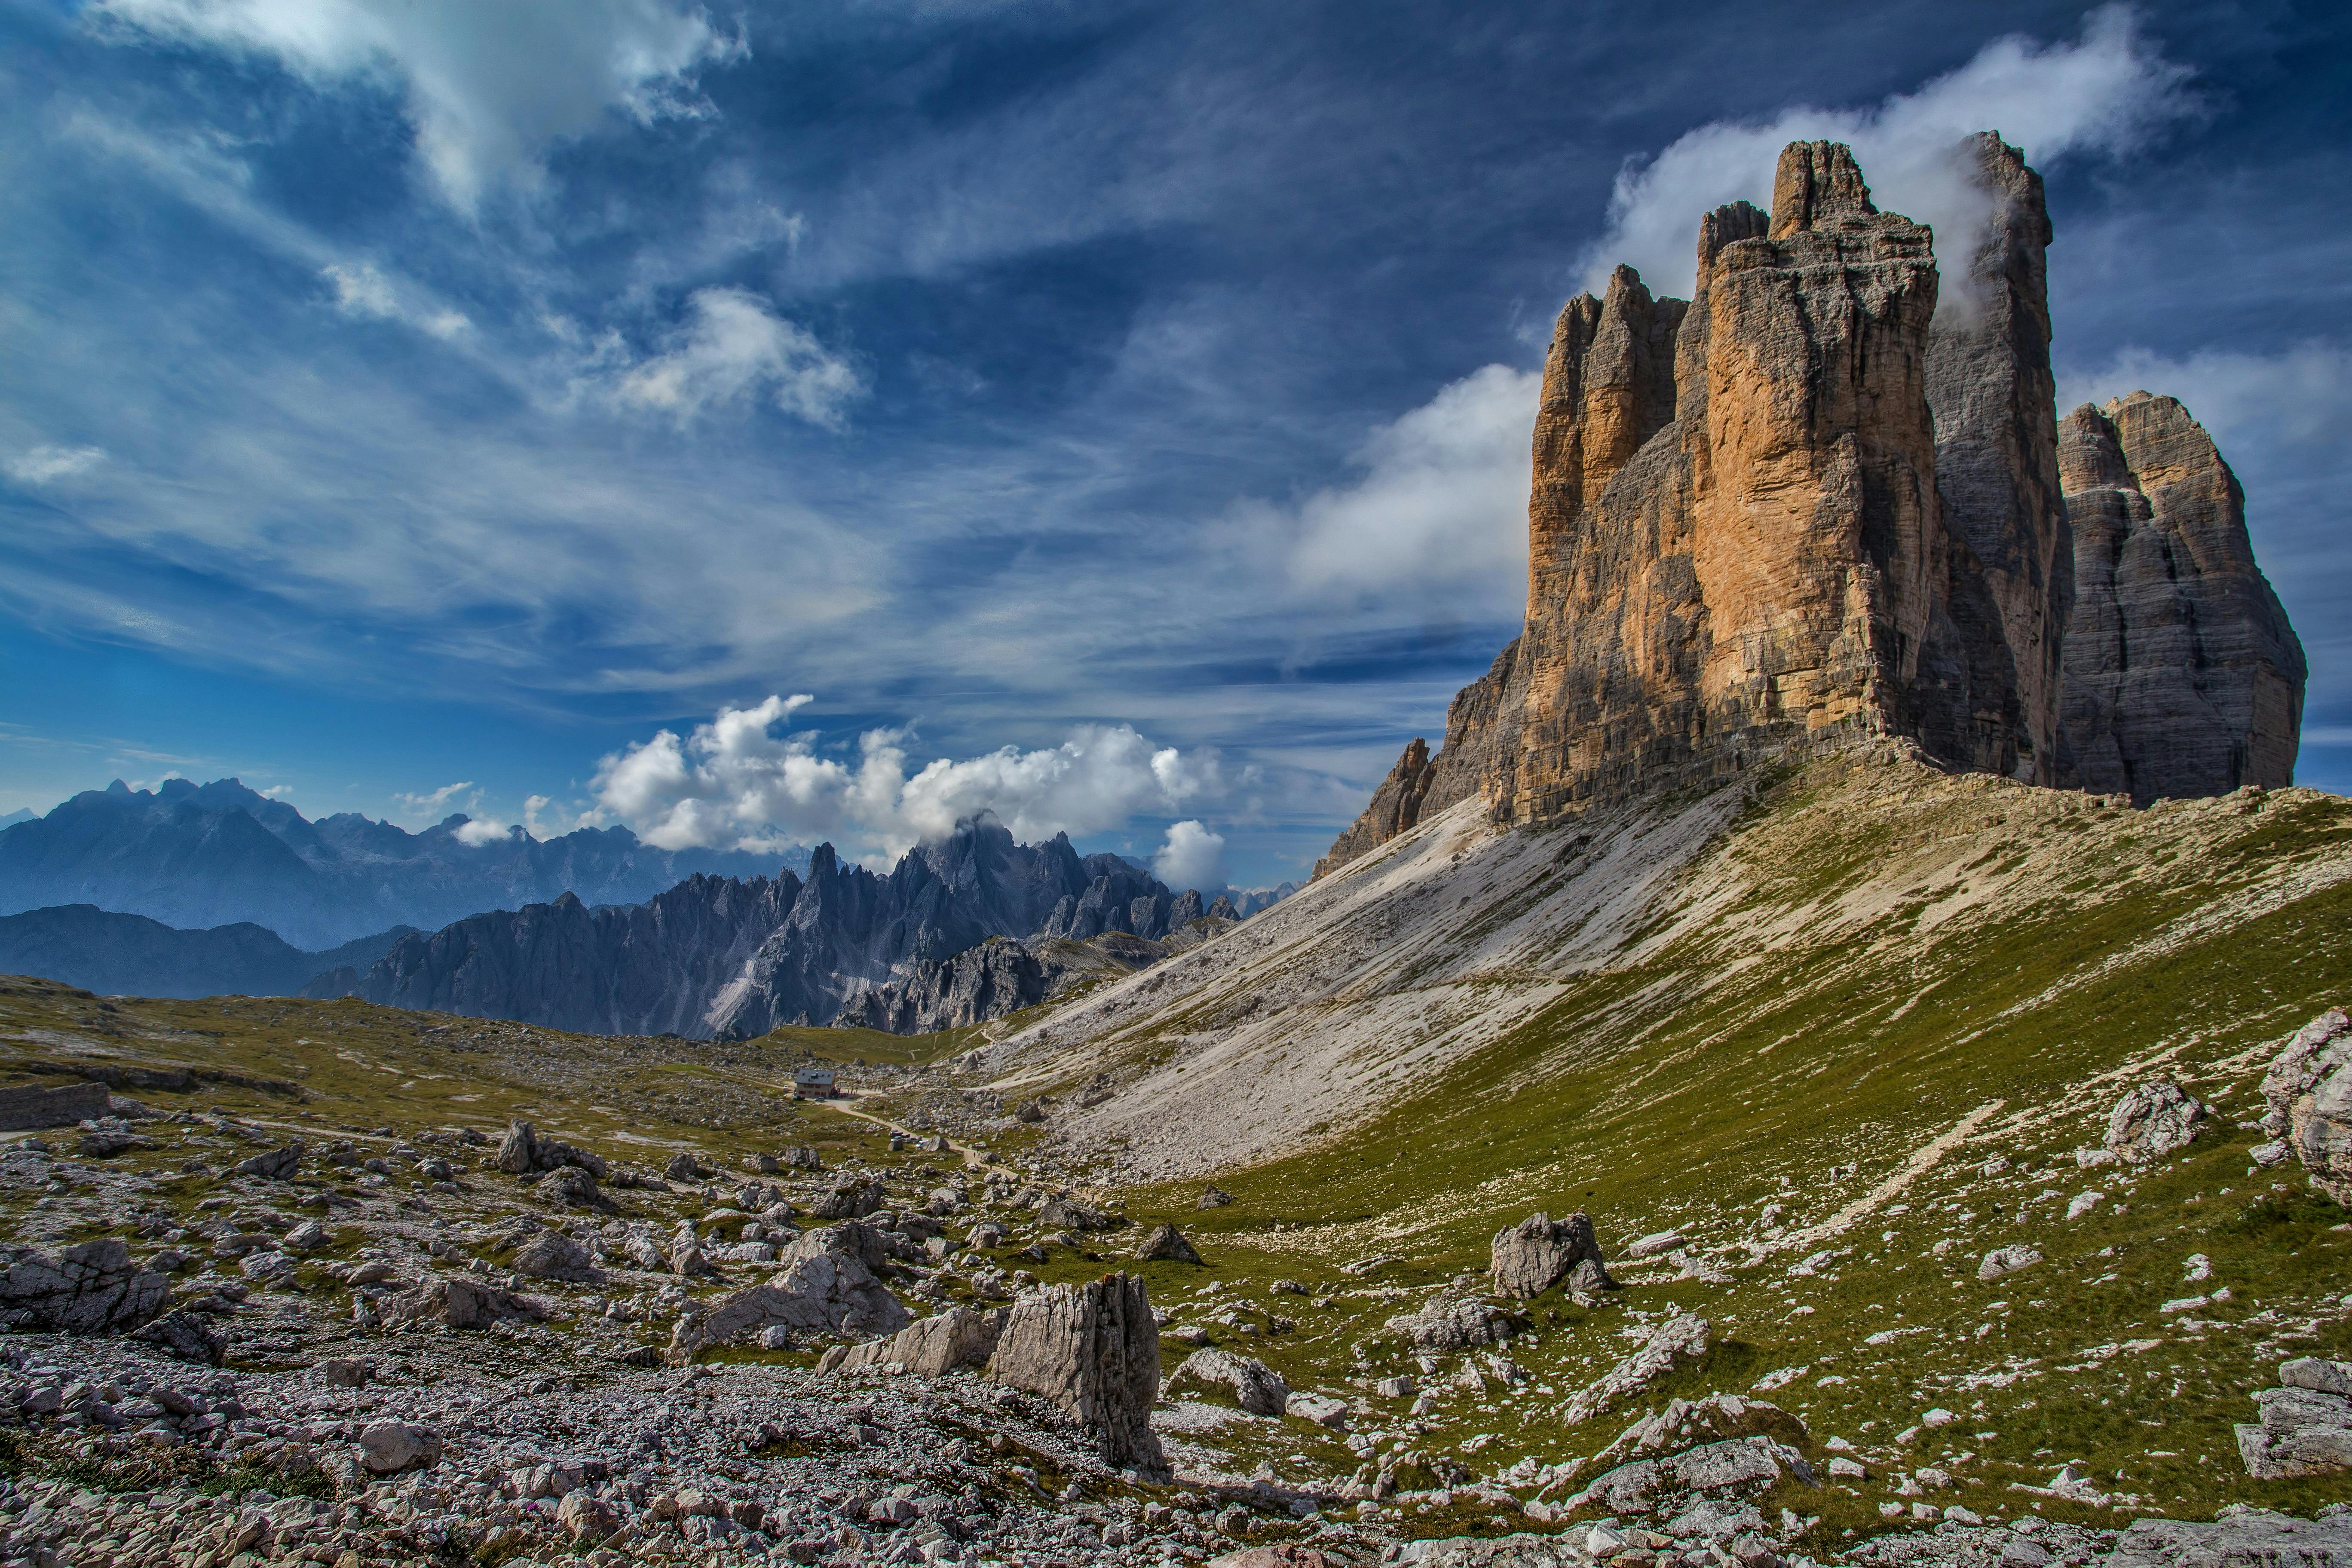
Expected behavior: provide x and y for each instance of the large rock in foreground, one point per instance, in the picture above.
(1540, 1252)
(2309, 1087)
(89, 1289)
(1092, 1351)
(2306, 1422)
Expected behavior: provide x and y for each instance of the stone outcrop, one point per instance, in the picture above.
(457, 1304)
(827, 1286)
(997, 977)
(1537, 1253)
(2308, 1088)
(2153, 1119)
(2306, 1422)
(2182, 676)
(1255, 1386)
(1824, 498)
(23, 1106)
(1093, 1351)
(931, 1347)
(89, 1289)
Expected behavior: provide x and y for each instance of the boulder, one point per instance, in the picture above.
(1709, 1466)
(2306, 1427)
(308, 1236)
(456, 1303)
(1454, 1323)
(186, 1336)
(826, 1286)
(89, 1288)
(2153, 1119)
(585, 1517)
(344, 1371)
(1166, 1244)
(1213, 1198)
(388, 1448)
(1718, 1418)
(2309, 1092)
(1255, 1386)
(516, 1149)
(851, 1200)
(570, 1186)
(687, 1168)
(1092, 1351)
(277, 1165)
(933, 1347)
(2004, 1260)
(551, 1255)
(1069, 1214)
(1540, 1252)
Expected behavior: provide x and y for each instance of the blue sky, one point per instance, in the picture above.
(1113, 415)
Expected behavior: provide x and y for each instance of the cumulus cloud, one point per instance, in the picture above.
(479, 831)
(1443, 495)
(365, 294)
(488, 87)
(2110, 93)
(732, 347)
(1192, 857)
(46, 465)
(737, 782)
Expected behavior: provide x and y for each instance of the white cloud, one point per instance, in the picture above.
(736, 782)
(2111, 92)
(488, 87)
(1192, 857)
(363, 292)
(1443, 496)
(435, 804)
(734, 346)
(479, 831)
(46, 465)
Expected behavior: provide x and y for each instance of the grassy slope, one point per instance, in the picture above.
(1707, 1075)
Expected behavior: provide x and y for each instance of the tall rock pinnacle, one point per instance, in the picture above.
(1807, 505)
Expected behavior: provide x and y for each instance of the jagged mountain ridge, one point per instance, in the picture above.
(1805, 503)
(195, 856)
(731, 958)
(129, 956)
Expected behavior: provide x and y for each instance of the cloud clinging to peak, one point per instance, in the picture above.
(2110, 93)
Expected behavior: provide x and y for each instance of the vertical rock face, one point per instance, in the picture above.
(1809, 504)
(2182, 676)
(1989, 698)
(1091, 1350)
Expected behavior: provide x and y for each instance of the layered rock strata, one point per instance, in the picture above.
(2182, 674)
(1819, 500)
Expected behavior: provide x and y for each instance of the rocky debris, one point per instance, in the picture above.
(2306, 1422)
(684, 1167)
(933, 1347)
(2308, 1091)
(1540, 1252)
(2242, 1535)
(1093, 1351)
(570, 1186)
(277, 1165)
(107, 1135)
(1683, 1337)
(826, 1286)
(457, 1304)
(1255, 1386)
(2153, 1119)
(551, 1255)
(1069, 1214)
(1166, 1244)
(25, 1107)
(2009, 1259)
(89, 1288)
(387, 1447)
(2182, 674)
(1454, 1323)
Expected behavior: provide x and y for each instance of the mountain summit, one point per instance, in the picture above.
(1809, 504)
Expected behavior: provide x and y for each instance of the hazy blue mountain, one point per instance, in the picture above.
(130, 955)
(195, 856)
(22, 814)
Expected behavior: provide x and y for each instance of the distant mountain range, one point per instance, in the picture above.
(130, 955)
(734, 958)
(213, 855)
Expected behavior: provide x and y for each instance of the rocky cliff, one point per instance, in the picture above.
(1821, 499)
(2182, 676)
